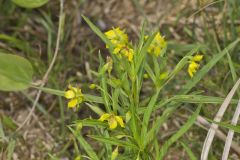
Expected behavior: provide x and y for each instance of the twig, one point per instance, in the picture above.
(45, 77)
(202, 122)
(204, 7)
(217, 118)
(231, 133)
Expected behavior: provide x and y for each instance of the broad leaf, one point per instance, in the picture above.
(30, 3)
(15, 72)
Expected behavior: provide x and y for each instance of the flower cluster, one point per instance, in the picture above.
(74, 95)
(193, 65)
(158, 45)
(113, 120)
(119, 39)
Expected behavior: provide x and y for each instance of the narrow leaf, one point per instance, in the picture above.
(114, 141)
(179, 133)
(189, 152)
(85, 145)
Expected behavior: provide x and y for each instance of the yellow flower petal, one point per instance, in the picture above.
(112, 123)
(110, 34)
(193, 65)
(120, 121)
(72, 103)
(190, 72)
(197, 58)
(69, 94)
(192, 68)
(104, 117)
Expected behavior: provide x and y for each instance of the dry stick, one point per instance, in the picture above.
(204, 7)
(45, 77)
(202, 122)
(231, 133)
(217, 118)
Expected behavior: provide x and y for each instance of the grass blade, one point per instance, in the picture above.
(189, 152)
(85, 145)
(114, 141)
(98, 32)
(10, 149)
(231, 133)
(91, 123)
(147, 114)
(198, 99)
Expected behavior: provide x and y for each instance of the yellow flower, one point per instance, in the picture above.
(121, 46)
(113, 120)
(128, 52)
(92, 86)
(157, 45)
(117, 36)
(125, 51)
(193, 65)
(197, 58)
(74, 95)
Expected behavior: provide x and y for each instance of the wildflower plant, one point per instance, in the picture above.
(124, 124)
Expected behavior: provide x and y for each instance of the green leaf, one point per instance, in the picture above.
(114, 141)
(180, 48)
(2, 134)
(91, 123)
(98, 32)
(189, 152)
(147, 115)
(52, 157)
(15, 72)
(235, 128)
(10, 149)
(51, 91)
(16, 43)
(8, 122)
(233, 71)
(198, 99)
(85, 145)
(179, 133)
(95, 109)
(30, 3)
